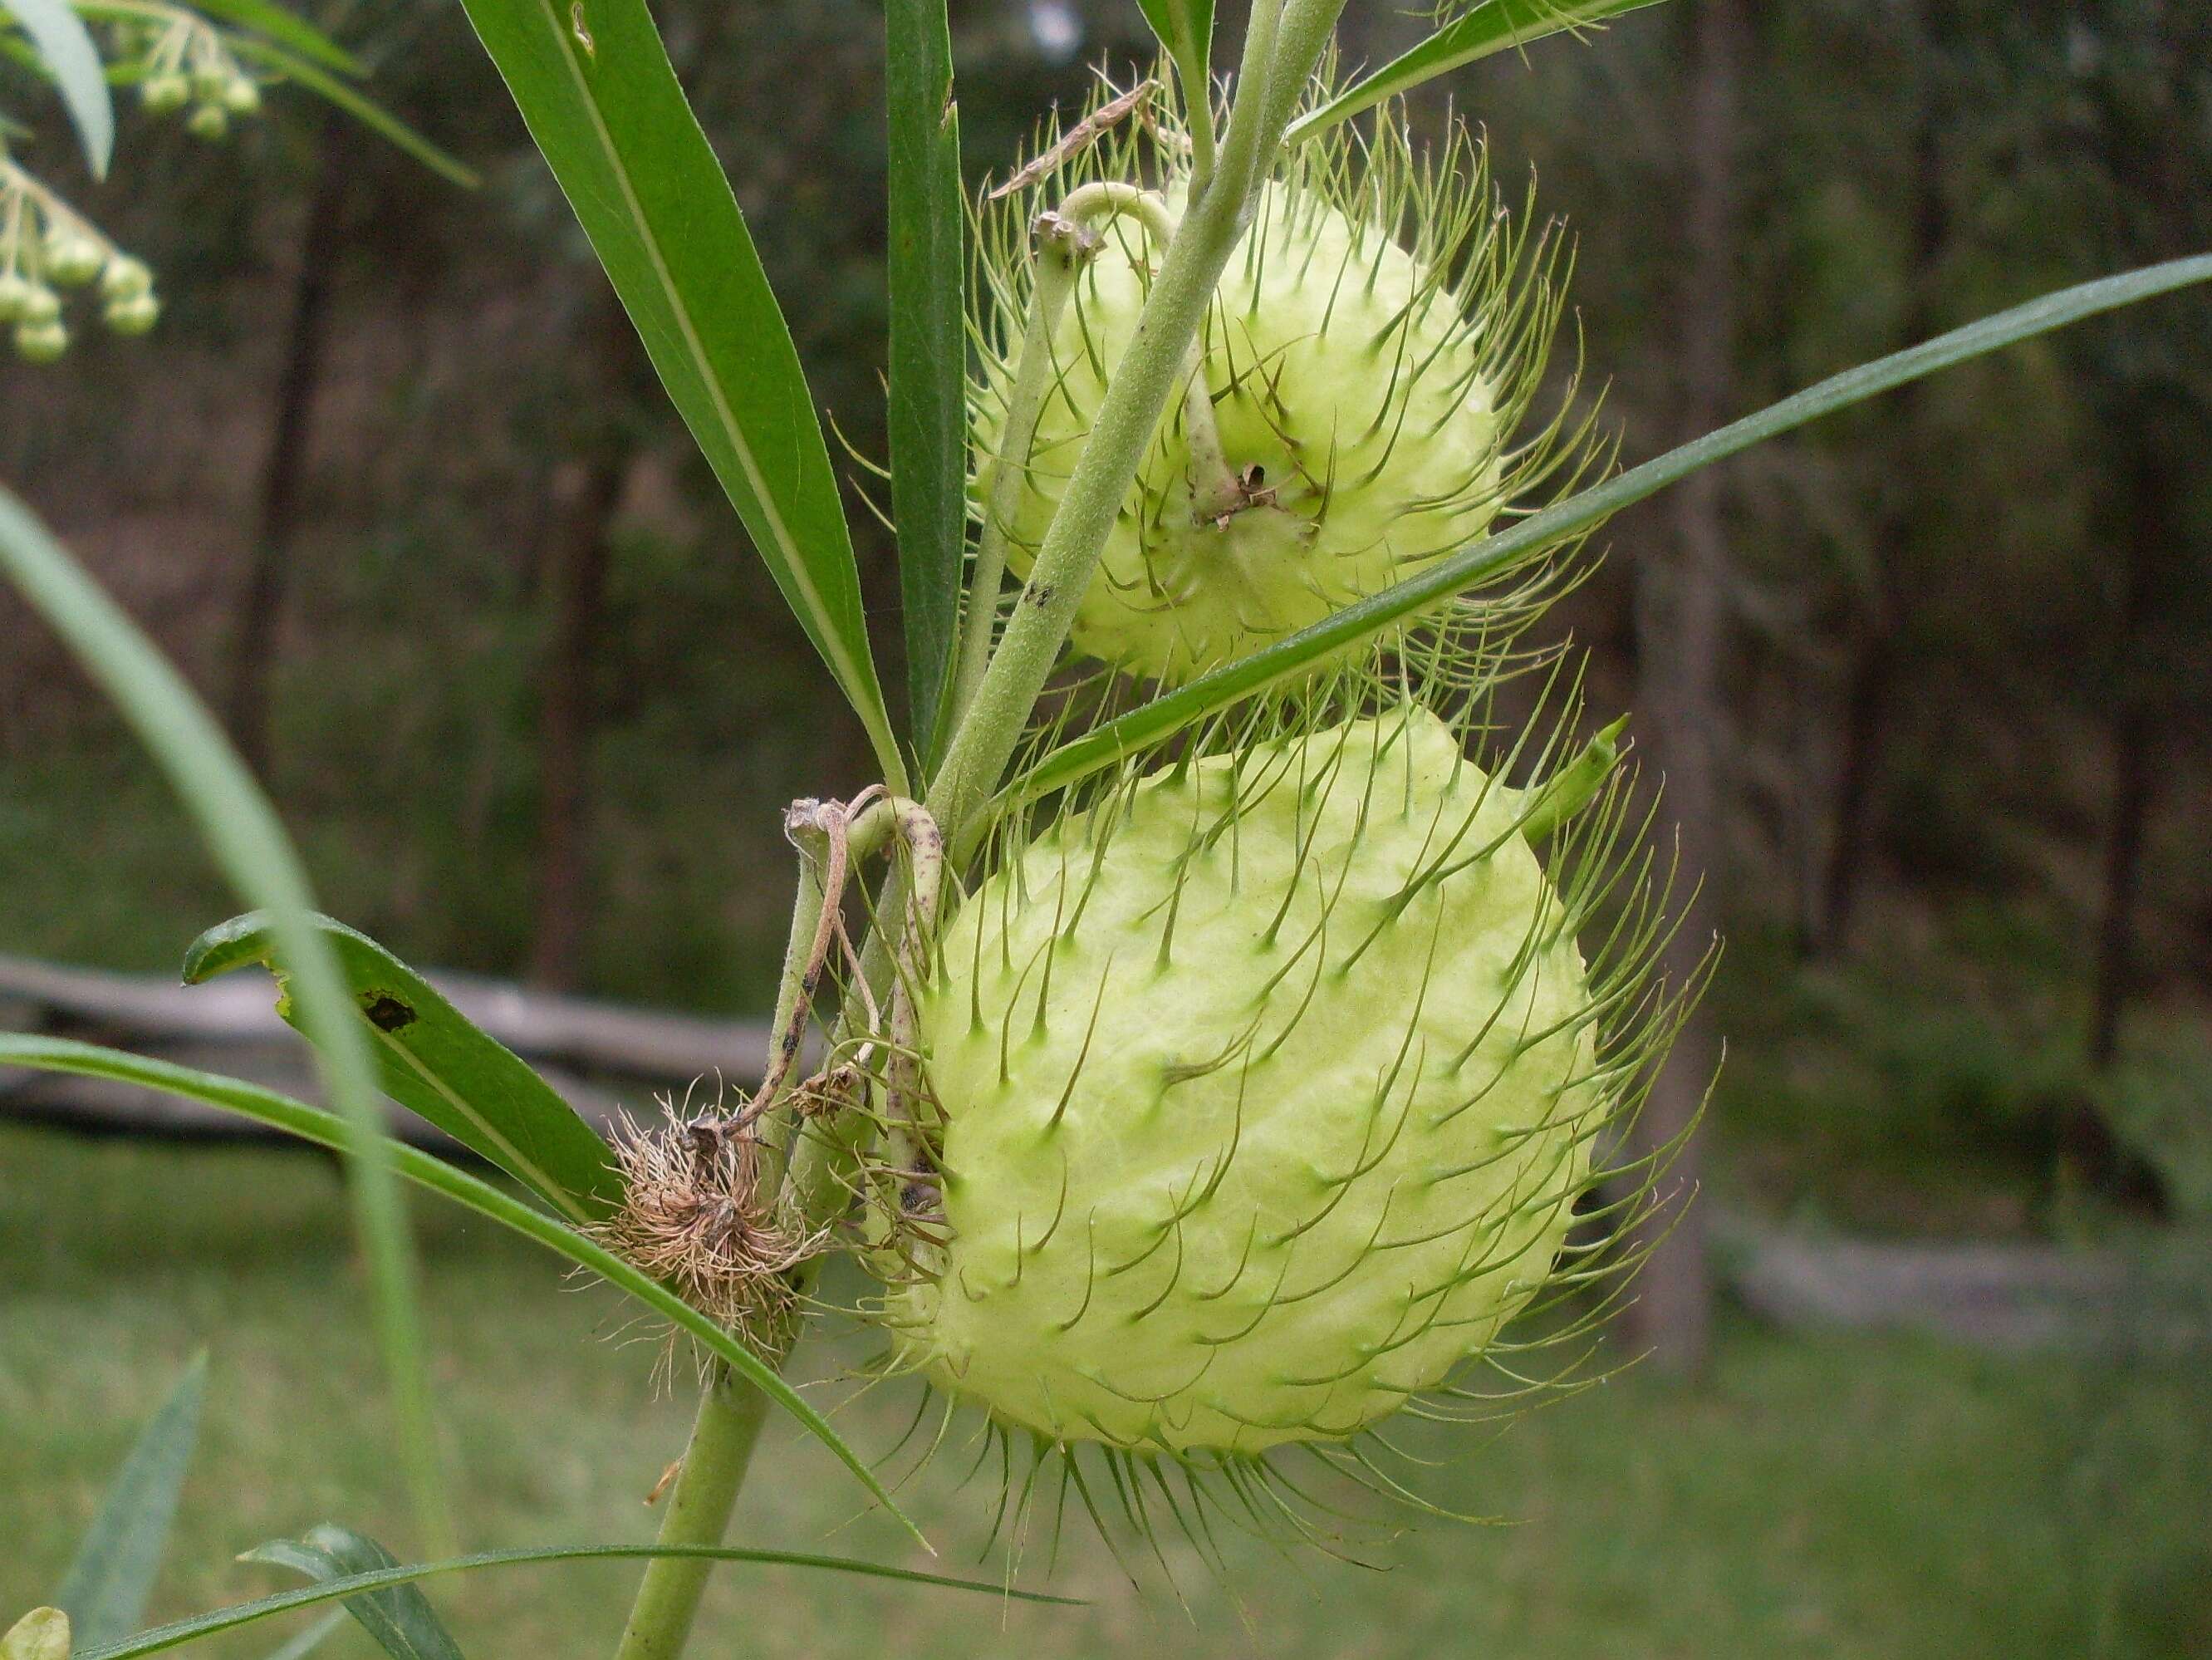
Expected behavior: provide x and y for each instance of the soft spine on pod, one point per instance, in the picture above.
(1262, 1093)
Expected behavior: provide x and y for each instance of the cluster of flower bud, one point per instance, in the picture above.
(45, 248)
(183, 63)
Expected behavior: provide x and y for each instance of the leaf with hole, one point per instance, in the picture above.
(266, 1106)
(433, 1060)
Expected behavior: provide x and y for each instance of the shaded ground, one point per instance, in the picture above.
(1836, 1497)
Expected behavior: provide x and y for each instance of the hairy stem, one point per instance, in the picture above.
(1142, 383)
(706, 1490)
(1056, 258)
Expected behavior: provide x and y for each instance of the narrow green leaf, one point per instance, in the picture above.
(927, 410)
(240, 829)
(313, 1124)
(312, 1639)
(1356, 625)
(180, 1632)
(65, 44)
(431, 1058)
(397, 1618)
(595, 86)
(1185, 28)
(286, 29)
(1489, 27)
(363, 109)
(107, 1585)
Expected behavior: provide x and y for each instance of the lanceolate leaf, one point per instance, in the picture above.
(1578, 515)
(313, 1124)
(398, 1618)
(115, 1567)
(70, 57)
(286, 29)
(1185, 28)
(364, 110)
(179, 1631)
(595, 86)
(246, 841)
(432, 1059)
(927, 412)
(1489, 27)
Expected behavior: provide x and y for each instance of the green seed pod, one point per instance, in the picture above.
(133, 315)
(165, 93)
(41, 343)
(42, 1634)
(210, 122)
(1371, 347)
(71, 258)
(125, 278)
(1261, 1096)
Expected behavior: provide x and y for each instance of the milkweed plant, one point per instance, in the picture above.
(1216, 1028)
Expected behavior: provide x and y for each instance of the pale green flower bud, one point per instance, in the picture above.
(41, 343)
(42, 1634)
(210, 122)
(15, 295)
(240, 96)
(165, 93)
(71, 258)
(133, 315)
(39, 304)
(125, 277)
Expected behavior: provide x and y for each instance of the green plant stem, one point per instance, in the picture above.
(1056, 258)
(1142, 382)
(706, 1492)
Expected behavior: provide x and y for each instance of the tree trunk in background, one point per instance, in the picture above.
(1866, 706)
(575, 590)
(588, 493)
(1680, 625)
(254, 638)
(2093, 1159)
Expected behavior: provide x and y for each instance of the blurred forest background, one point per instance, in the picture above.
(1931, 684)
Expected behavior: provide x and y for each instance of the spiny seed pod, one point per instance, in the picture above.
(1261, 1095)
(1349, 415)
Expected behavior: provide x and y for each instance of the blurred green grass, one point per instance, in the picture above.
(1825, 1497)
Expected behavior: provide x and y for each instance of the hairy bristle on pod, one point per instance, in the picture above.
(1264, 1092)
(1351, 414)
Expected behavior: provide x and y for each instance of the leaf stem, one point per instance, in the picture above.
(723, 1436)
